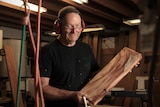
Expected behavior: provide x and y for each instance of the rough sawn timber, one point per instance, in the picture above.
(111, 74)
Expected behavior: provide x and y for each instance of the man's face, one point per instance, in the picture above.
(71, 27)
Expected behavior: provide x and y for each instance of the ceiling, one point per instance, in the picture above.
(109, 13)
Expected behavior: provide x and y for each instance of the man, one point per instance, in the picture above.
(66, 64)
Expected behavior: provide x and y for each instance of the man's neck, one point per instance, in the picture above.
(66, 43)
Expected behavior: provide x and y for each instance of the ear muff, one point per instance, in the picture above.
(83, 25)
(62, 13)
(57, 26)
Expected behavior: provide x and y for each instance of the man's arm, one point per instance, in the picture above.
(53, 93)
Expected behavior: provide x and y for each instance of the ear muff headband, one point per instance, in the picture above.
(62, 13)
(83, 25)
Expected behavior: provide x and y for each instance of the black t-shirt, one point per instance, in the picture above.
(68, 67)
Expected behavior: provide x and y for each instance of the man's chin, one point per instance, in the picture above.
(72, 40)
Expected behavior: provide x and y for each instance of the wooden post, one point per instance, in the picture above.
(122, 42)
(85, 38)
(133, 39)
(99, 50)
(95, 44)
(132, 43)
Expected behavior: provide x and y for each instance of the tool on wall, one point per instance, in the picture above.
(38, 87)
(25, 20)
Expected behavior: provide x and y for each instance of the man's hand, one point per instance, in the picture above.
(79, 98)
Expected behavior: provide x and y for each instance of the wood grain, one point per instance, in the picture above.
(13, 76)
(111, 74)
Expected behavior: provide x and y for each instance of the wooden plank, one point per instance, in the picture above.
(90, 40)
(111, 74)
(95, 44)
(12, 72)
(1, 37)
(85, 38)
(99, 51)
(132, 44)
(122, 41)
(133, 39)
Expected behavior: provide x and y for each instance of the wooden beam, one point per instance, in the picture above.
(122, 41)
(99, 50)
(133, 34)
(94, 11)
(95, 44)
(85, 38)
(88, 15)
(118, 7)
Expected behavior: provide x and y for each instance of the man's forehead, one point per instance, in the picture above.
(71, 17)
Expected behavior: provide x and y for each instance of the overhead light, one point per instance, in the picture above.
(52, 33)
(19, 3)
(132, 22)
(94, 27)
(80, 1)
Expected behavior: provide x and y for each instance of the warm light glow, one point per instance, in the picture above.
(52, 33)
(92, 29)
(132, 22)
(20, 3)
(84, 1)
(80, 1)
(88, 28)
(135, 21)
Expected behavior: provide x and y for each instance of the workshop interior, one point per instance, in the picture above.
(110, 26)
